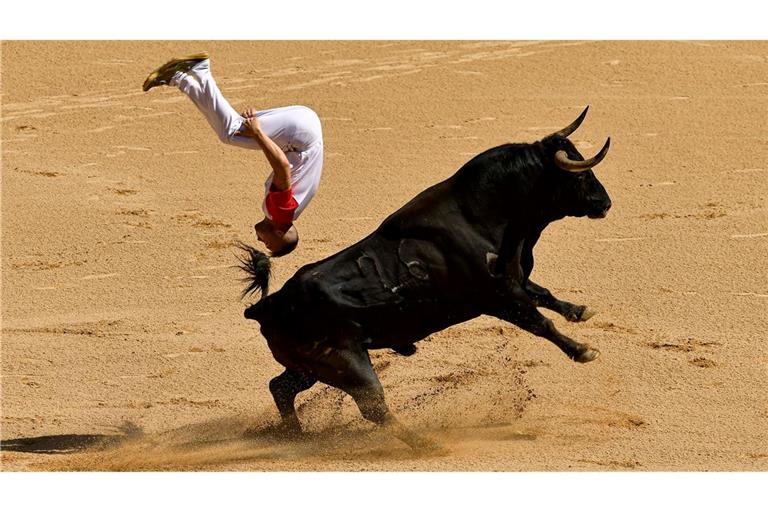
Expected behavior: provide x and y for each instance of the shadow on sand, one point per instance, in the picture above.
(65, 443)
(72, 443)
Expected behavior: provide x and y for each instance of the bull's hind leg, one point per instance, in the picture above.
(543, 298)
(350, 370)
(521, 311)
(284, 389)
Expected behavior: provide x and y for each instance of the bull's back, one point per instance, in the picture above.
(396, 291)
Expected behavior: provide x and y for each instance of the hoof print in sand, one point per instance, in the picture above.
(702, 362)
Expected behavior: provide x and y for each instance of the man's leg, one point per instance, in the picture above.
(199, 85)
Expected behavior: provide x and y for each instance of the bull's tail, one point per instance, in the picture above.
(258, 267)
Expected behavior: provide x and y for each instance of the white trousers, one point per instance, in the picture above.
(295, 129)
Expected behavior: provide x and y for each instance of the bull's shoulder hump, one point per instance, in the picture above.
(426, 206)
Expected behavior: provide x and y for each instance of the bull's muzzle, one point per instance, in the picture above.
(600, 211)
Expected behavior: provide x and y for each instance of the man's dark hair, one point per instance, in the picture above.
(287, 248)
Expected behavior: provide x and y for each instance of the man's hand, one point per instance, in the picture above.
(249, 112)
(251, 125)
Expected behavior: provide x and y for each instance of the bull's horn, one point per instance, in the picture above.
(572, 127)
(565, 163)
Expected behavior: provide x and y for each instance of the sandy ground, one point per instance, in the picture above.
(123, 341)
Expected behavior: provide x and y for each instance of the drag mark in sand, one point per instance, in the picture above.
(750, 235)
(622, 465)
(620, 239)
(99, 276)
(750, 294)
(744, 171)
(132, 148)
(480, 119)
(185, 152)
(101, 129)
(751, 84)
(131, 242)
(46, 174)
(214, 267)
(124, 191)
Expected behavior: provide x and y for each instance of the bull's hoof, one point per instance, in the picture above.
(587, 355)
(580, 314)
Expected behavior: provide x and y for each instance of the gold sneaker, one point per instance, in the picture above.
(163, 74)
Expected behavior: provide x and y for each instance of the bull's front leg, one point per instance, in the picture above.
(543, 298)
(519, 309)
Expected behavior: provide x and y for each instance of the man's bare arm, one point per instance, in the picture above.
(277, 159)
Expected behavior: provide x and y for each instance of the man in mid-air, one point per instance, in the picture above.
(290, 137)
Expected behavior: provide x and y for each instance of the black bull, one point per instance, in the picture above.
(460, 249)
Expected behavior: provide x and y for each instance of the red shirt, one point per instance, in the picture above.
(281, 204)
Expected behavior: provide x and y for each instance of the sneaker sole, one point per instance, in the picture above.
(150, 81)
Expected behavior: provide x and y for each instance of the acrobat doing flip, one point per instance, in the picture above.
(291, 138)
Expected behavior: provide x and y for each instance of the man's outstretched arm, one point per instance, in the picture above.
(277, 159)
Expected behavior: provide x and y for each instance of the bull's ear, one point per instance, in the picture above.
(573, 126)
